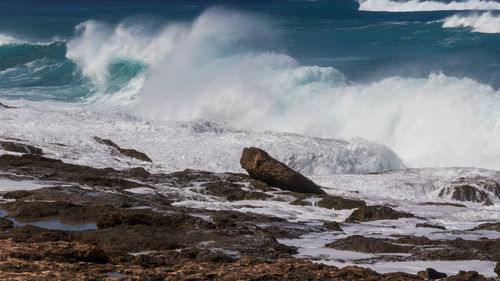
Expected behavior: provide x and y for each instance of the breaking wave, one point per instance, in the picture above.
(418, 5)
(484, 23)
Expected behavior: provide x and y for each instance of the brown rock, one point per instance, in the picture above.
(468, 276)
(443, 204)
(263, 167)
(339, 203)
(488, 226)
(332, 225)
(497, 269)
(5, 224)
(20, 148)
(373, 213)
(132, 153)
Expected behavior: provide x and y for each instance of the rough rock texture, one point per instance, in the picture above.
(443, 204)
(20, 148)
(269, 170)
(372, 213)
(431, 273)
(339, 203)
(132, 153)
(5, 224)
(362, 244)
(488, 226)
(468, 276)
(497, 269)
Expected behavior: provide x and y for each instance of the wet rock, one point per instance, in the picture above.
(62, 251)
(132, 153)
(372, 213)
(430, 226)
(5, 224)
(497, 269)
(488, 226)
(339, 203)
(467, 193)
(233, 191)
(20, 148)
(6, 106)
(263, 167)
(332, 225)
(363, 244)
(431, 274)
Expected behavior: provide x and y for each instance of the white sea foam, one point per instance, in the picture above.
(212, 69)
(6, 39)
(484, 23)
(418, 5)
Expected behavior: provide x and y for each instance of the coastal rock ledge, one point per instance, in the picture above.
(263, 167)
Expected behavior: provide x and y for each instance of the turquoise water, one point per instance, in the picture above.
(365, 46)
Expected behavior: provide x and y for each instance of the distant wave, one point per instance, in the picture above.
(6, 39)
(417, 5)
(484, 23)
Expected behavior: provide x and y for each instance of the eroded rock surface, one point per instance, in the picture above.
(132, 153)
(372, 213)
(271, 171)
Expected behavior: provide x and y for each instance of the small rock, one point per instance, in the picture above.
(430, 226)
(20, 148)
(132, 153)
(339, 203)
(373, 213)
(332, 225)
(497, 269)
(263, 167)
(431, 273)
(469, 193)
(363, 244)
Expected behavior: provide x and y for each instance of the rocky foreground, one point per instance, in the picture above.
(109, 224)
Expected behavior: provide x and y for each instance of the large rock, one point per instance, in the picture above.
(271, 171)
(431, 274)
(20, 148)
(373, 213)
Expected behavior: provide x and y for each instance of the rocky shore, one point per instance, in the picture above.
(85, 223)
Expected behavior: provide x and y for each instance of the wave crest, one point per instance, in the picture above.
(418, 5)
(484, 23)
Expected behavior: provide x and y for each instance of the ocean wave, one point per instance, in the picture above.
(216, 68)
(483, 23)
(418, 5)
(6, 39)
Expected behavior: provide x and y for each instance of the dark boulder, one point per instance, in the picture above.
(332, 225)
(339, 203)
(428, 225)
(363, 244)
(373, 213)
(5, 224)
(263, 167)
(468, 193)
(497, 269)
(431, 273)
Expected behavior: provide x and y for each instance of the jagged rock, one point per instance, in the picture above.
(339, 203)
(431, 274)
(430, 226)
(443, 204)
(6, 106)
(372, 213)
(20, 148)
(263, 167)
(17, 194)
(332, 225)
(132, 153)
(363, 244)
(5, 224)
(497, 269)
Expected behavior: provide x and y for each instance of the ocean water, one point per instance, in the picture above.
(327, 86)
